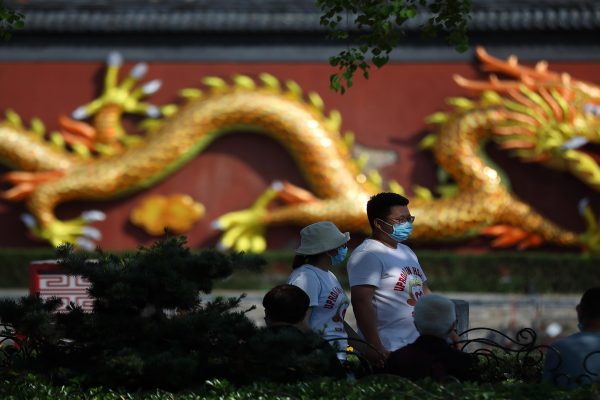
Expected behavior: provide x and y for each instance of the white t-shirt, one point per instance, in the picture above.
(328, 301)
(398, 280)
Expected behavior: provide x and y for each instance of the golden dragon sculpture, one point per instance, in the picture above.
(542, 116)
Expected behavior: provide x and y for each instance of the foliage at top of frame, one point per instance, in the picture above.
(380, 27)
(9, 21)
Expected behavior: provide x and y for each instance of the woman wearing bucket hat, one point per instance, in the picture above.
(322, 246)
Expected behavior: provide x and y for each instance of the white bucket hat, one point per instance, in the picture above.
(434, 315)
(320, 237)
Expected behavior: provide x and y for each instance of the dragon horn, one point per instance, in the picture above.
(513, 68)
(479, 86)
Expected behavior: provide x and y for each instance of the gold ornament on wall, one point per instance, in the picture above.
(535, 114)
(176, 212)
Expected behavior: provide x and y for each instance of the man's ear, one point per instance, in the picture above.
(377, 223)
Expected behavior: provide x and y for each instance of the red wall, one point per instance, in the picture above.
(387, 111)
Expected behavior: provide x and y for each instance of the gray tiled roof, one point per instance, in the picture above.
(230, 16)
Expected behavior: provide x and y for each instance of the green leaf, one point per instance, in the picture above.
(334, 82)
(380, 61)
(380, 27)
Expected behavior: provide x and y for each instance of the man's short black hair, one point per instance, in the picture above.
(286, 303)
(379, 205)
(589, 305)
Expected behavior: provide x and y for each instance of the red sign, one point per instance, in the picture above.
(48, 279)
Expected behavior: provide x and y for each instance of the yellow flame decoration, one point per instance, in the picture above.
(177, 212)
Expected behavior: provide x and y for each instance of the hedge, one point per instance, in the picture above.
(375, 387)
(501, 272)
(14, 265)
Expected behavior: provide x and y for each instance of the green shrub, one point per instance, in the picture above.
(516, 272)
(14, 265)
(499, 271)
(376, 387)
(149, 328)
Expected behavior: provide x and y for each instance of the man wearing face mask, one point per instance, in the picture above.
(322, 246)
(385, 277)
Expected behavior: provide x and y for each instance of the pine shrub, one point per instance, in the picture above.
(149, 327)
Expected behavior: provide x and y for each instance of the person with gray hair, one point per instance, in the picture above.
(432, 354)
(436, 316)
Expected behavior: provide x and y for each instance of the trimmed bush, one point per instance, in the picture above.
(376, 387)
(496, 272)
(499, 272)
(14, 265)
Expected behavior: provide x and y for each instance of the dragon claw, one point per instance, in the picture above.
(91, 233)
(216, 225)
(139, 70)
(80, 113)
(76, 231)
(152, 111)
(151, 87)
(115, 59)
(126, 94)
(29, 220)
(93, 215)
(244, 230)
(85, 244)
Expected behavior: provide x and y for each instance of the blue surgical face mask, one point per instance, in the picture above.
(340, 256)
(401, 232)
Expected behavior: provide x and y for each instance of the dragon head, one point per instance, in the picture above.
(543, 116)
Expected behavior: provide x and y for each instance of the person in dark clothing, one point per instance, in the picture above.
(574, 360)
(287, 350)
(286, 305)
(432, 354)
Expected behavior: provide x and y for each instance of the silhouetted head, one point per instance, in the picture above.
(588, 309)
(285, 304)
